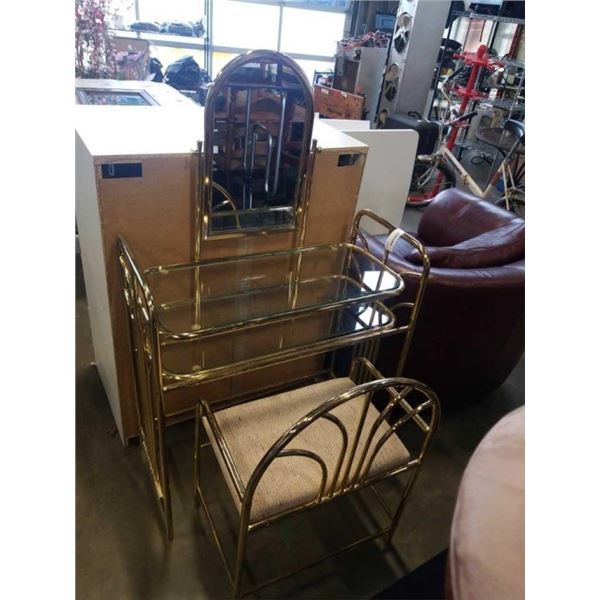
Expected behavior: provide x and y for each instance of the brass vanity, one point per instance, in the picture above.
(224, 262)
(275, 317)
(229, 280)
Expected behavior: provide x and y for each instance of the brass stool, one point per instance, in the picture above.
(298, 449)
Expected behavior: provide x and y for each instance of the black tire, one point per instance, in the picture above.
(516, 206)
(422, 195)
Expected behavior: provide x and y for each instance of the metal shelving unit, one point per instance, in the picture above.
(509, 90)
(514, 62)
(508, 62)
(495, 18)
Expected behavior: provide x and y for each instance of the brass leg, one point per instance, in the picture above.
(169, 520)
(197, 451)
(240, 557)
(168, 514)
(400, 509)
(164, 472)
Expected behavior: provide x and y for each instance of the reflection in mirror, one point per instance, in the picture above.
(258, 125)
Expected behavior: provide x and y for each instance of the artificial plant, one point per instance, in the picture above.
(94, 50)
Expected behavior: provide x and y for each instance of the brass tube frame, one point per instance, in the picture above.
(423, 275)
(223, 82)
(147, 336)
(153, 380)
(398, 388)
(144, 343)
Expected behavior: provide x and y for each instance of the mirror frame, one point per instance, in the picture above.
(205, 176)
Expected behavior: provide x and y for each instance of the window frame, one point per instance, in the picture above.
(205, 42)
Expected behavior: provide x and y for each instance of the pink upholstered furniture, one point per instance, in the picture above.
(487, 542)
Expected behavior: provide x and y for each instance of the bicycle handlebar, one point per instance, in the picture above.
(451, 77)
(465, 117)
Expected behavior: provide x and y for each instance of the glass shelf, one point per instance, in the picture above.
(217, 296)
(238, 351)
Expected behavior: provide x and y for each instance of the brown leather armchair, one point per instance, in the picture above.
(471, 329)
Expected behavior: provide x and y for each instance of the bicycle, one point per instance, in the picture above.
(441, 170)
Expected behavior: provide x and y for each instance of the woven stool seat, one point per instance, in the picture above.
(250, 429)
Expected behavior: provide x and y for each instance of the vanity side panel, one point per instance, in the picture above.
(154, 214)
(333, 196)
(95, 277)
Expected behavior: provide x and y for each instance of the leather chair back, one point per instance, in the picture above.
(471, 329)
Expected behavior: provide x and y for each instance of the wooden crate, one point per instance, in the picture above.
(337, 104)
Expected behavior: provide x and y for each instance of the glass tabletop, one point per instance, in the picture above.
(199, 299)
(237, 351)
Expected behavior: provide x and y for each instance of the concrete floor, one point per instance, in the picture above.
(121, 550)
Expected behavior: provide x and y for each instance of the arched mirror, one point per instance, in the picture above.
(258, 128)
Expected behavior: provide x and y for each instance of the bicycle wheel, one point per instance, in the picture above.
(428, 181)
(516, 203)
(518, 207)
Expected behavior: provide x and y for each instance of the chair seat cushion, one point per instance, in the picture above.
(250, 429)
